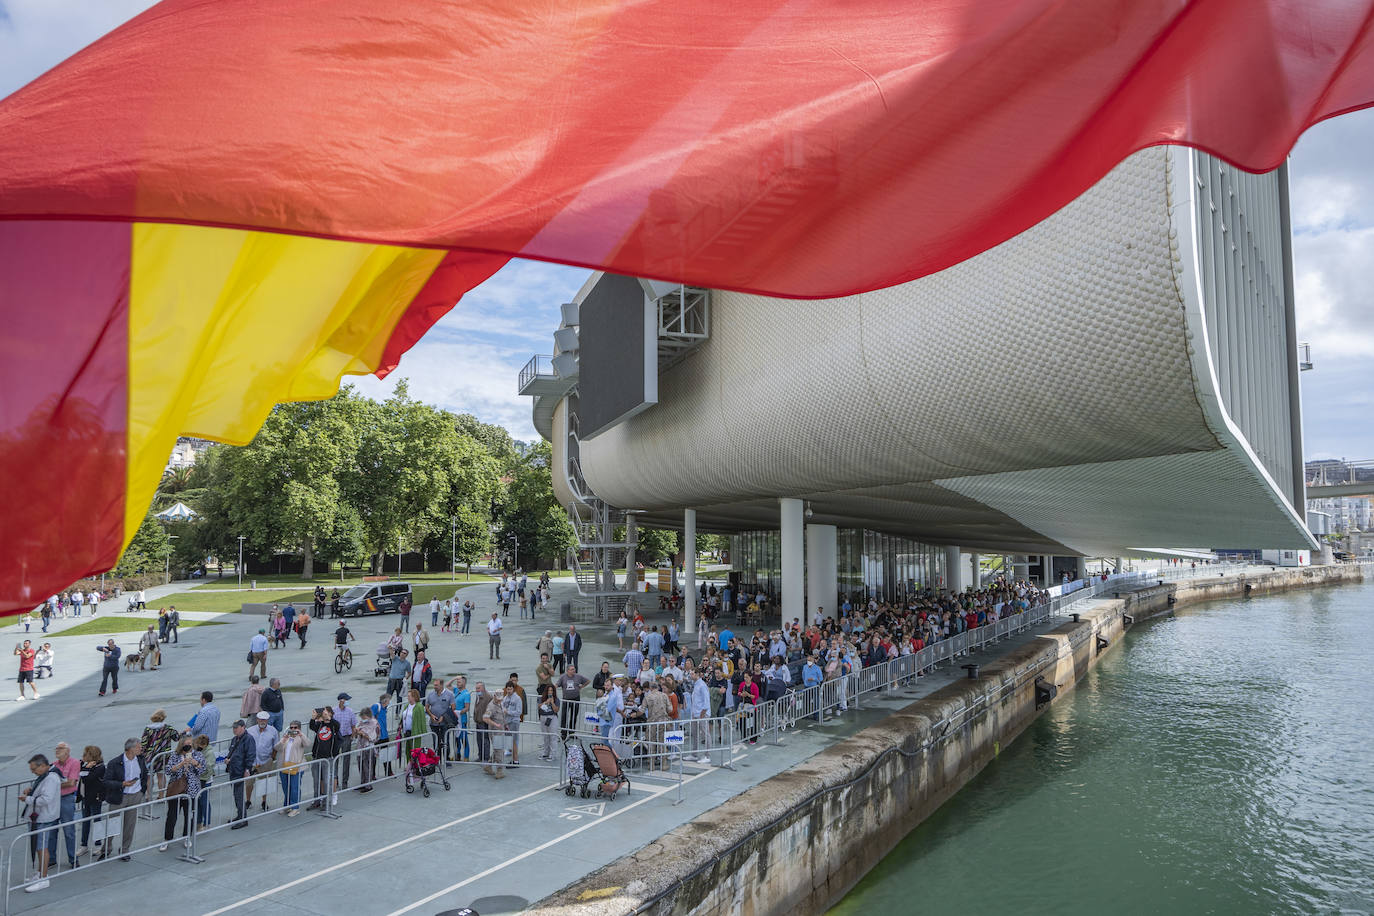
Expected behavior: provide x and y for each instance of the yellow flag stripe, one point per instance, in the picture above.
(224, 323)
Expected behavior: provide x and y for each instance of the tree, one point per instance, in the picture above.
(494, 439)
(283, 488)
(531, 513)
(402, 474)
(148, 550)
(655, 544)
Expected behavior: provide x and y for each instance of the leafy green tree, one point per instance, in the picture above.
(148, 550)
(531, 513)
(655, 544)
(494, 439)
(283, 487)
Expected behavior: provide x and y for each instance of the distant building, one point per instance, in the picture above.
(186, 451)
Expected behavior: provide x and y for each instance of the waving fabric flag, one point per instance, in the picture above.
(223, 205)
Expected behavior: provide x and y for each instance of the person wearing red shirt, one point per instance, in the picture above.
(26, 655)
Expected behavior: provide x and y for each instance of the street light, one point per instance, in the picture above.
(515, 560)
(453, 553)
(167, 571)
(240, 566)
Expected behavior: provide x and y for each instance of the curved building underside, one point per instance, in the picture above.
(1121, 376)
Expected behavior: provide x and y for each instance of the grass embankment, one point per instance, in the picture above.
(111, 623)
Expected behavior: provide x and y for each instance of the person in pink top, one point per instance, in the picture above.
(69, 768)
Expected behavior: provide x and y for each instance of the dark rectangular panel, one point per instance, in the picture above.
(618, 361)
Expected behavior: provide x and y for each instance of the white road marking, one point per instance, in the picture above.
(540, 848)
(376, 852)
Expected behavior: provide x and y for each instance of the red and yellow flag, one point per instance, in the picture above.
(223, 205)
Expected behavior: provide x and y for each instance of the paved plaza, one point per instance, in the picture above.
(497, 846)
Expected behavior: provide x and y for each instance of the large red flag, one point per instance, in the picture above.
(338, 172)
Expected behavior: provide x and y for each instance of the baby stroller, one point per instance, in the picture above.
(424, 764)
(382, 667)
(613, 777)
(580, 768)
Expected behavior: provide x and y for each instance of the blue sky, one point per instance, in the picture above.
(470, 360)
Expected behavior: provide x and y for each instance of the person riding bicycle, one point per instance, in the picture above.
(342, 637)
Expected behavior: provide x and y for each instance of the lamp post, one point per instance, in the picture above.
(453, 553)
(167, 565)
(398, 556)
(240, 566)
(515, 559)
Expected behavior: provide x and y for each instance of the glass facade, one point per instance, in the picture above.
(869, 564)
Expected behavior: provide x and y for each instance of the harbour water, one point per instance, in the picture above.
(1218, 762)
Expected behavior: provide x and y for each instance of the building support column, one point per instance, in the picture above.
(689, 570)
(793, 559)
(1046, 571)
(954, 570)
(631, 538)
(1120, 564)
(822, 573)
(975, 573)
(1081, 567)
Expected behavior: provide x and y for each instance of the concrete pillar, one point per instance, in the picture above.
(1120, 564)
(822, 570)
(954, 570)
(689, 570)
(793, 559)
(631, 537)
(1046, 570)
(1080, 566)
(975, 579)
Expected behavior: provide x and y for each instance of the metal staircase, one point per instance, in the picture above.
(597, 554)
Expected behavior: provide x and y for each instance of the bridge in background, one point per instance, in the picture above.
(1346, 478)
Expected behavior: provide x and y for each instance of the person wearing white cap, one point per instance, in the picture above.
(264, 738)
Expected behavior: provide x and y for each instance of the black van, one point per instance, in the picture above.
(375, 598)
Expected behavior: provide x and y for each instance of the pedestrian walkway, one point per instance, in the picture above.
(493, 845)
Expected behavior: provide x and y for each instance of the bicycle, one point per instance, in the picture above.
(343, 658)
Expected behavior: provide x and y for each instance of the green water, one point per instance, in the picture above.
(1221, 761)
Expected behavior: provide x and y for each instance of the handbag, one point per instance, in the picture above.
(175, 787)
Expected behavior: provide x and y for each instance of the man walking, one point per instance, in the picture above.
(26, 655)
(173, 623)
(126, 782)
(347, 721)
(257, 653)
(148, 650)
(109, 670)
(493, 637)
(238, 760)
(468, 608)
(405, 615)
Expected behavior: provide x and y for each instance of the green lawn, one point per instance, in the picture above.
(118, 623)
(296, 582)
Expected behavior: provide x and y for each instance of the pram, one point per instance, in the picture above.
(613, 777)
(382, 667)
(580, 768)
(424, 764)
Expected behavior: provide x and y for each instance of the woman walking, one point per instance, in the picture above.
(548, 717)
(183, 771)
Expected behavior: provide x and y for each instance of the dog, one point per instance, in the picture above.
(131, 660)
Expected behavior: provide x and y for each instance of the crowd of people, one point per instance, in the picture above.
(664, 684)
